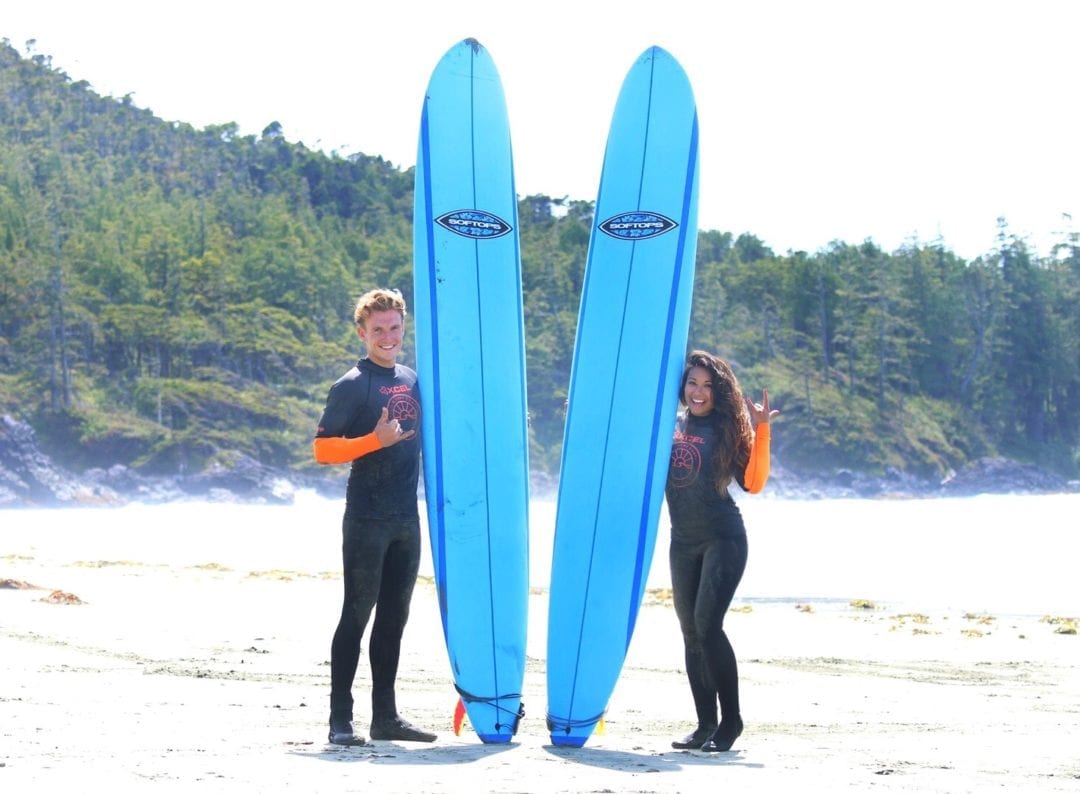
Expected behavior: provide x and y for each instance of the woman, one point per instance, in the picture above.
(721, 437)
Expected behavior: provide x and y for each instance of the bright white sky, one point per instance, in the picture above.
(820, 120)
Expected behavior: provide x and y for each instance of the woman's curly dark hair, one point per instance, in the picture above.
(729, 417)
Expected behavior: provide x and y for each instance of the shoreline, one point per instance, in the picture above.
(912, 556)
(176, 675)
(29, 478)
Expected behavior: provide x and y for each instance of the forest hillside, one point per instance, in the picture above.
(172, 296)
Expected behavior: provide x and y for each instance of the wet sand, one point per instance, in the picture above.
(132, 674)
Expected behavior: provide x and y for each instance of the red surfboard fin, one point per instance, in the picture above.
(459, 716)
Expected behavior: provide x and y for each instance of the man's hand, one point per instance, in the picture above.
(389, 431)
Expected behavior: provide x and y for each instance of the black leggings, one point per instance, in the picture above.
(380, 560)
(704, 576)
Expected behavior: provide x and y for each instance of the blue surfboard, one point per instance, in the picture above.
(470, 353)
(631, 339)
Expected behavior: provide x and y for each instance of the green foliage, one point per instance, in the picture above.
(915, 361)
(170, 294)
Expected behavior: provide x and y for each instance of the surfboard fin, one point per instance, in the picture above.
(459, 716)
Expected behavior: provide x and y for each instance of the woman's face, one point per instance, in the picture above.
(698, 393)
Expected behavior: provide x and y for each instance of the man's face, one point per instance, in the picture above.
(382, 332)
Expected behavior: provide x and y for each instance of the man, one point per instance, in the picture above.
(371, 419)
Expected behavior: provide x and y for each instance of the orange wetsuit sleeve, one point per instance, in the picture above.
(344, 450)
(757, 468)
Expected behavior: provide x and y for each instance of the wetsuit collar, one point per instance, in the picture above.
(369, 365)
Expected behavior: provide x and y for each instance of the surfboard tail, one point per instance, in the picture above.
(496, 719)
(566, 732)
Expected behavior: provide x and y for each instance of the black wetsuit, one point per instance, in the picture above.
(708, 556)
(380, 531)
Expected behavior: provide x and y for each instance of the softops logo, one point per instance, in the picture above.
(637, 225)
(476, 224)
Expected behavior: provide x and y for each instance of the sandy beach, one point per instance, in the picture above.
(128, 673)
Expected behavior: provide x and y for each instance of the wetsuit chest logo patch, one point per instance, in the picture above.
(405, 409)
(685, 464)
(476, 224)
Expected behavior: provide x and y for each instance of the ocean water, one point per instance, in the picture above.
(1016, 555)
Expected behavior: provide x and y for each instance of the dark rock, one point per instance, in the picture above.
(29, 478)
(846, 484)
(134, 486)
(1001, 475)
(236, 475)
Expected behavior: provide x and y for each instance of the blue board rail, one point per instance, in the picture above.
(631, 338)
(470, 354)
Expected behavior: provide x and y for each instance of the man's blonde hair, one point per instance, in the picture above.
(378, 300)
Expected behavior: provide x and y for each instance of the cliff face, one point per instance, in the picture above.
(30, 478)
